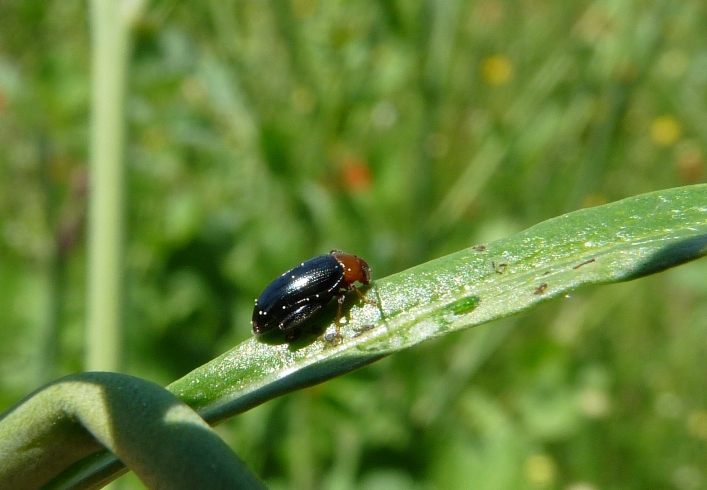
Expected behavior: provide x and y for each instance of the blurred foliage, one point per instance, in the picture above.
(261, 133)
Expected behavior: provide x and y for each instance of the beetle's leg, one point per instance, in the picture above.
(363, 298)
(335, 336)
(342, 297)
(339, 304)
(340, 301)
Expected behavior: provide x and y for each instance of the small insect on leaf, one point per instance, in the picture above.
(296, 296)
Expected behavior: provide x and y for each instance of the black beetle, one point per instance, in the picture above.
(298, 294)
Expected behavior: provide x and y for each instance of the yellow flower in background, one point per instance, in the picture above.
(496, 69)
(665, 130)
(541, 470)
(697, 424)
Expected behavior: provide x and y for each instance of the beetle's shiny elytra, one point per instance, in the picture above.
(299, 294)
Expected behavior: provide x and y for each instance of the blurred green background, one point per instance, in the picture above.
(261, 133)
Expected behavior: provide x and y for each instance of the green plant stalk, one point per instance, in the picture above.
(616, 242)
(105, 218)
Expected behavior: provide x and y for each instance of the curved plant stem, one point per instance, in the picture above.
(167, 445)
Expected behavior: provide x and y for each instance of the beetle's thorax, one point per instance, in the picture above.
(355, 268)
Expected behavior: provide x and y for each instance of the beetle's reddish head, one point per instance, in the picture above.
(355, 268)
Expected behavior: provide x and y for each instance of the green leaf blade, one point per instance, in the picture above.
(610, 243)
(615, 242)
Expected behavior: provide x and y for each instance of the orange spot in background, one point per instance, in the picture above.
(356, 175)
(689, 161)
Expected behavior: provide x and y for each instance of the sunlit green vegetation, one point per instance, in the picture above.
(263, 133)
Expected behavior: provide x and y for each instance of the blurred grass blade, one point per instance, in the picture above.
(109, 31)
(615, 242)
